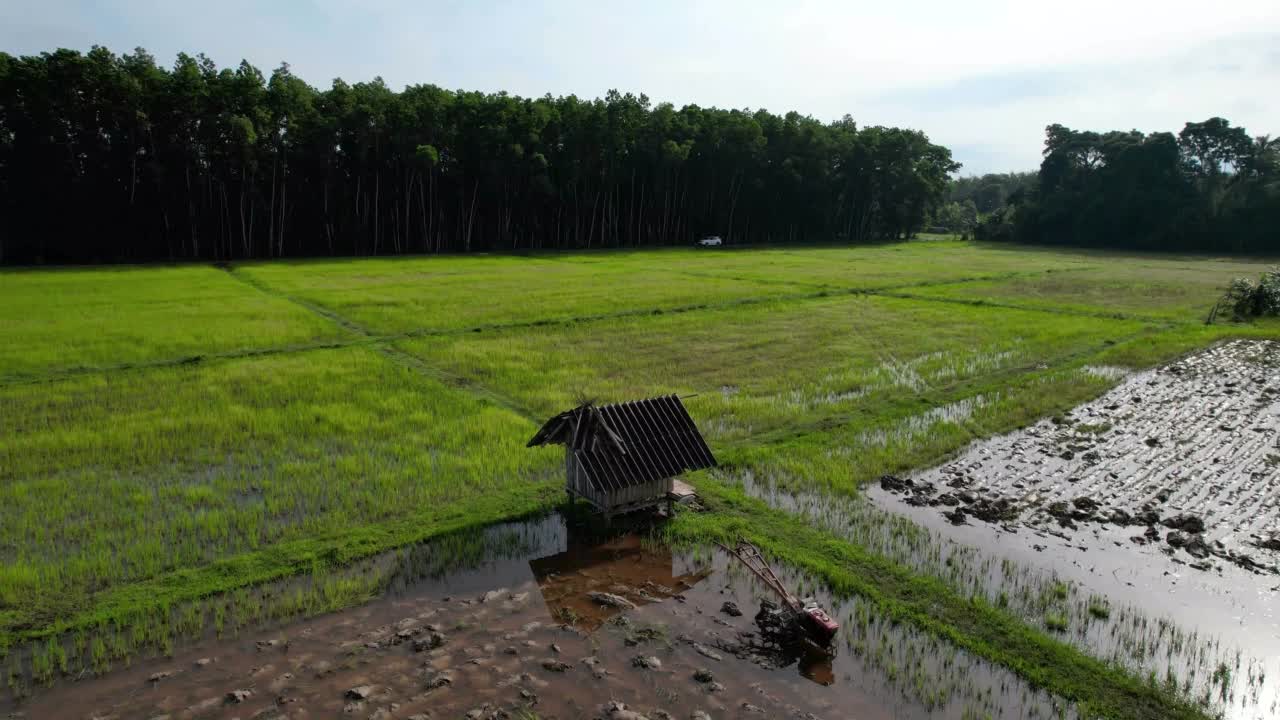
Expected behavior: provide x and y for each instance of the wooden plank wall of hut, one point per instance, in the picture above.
(635, 495)
(579, 483)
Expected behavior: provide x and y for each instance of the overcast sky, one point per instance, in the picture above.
(983, 77)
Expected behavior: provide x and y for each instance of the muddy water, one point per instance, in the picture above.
(1197, 439)
(522, 635)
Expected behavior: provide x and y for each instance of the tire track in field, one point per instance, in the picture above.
(333, 317)
(901, 291)
(385, 345)
(997, 305)
(838, 287)
(460, 382)
(196, 359)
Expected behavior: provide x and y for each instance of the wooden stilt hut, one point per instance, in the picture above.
(625, 457)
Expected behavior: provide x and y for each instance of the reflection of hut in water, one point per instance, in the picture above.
(625, 457)
(624, 566)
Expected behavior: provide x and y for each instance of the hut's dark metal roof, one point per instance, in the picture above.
(629, 443)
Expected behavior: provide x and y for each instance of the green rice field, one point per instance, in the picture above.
(174, 434)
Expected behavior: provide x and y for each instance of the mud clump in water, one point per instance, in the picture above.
(921, 494)
(611, 600)
(646, 662)
(236, 697)
(1186, 523)
(994, 510)
(893, 483)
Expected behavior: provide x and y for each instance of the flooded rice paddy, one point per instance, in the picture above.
(521, 634)
(1157, 505)
(1192, 449)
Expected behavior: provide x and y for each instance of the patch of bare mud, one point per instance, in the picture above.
(1161, 497)
(1187, 456)
(619, 628)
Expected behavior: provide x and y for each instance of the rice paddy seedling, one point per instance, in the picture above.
(1056, 621)
(1099, 608)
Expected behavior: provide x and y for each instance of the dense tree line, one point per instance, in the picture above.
(969, 199)
(1210, 187)
(989, 192)
(112, 158)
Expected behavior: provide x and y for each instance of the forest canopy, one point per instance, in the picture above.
(1212, 187)
(115, 158)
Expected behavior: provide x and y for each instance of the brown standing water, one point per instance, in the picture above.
(522, 637)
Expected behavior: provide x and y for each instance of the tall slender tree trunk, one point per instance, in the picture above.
(244, 235)
(271, 213)
(408, 204)
(471, 216)
(328, 222)
(733, 204)
(284, 205)
(639, 216)
(377, 209)
(631, 211)
(422, 208)
(253, 215)
(226, 223)
(592, 229)
(133, 177)
(191, 216)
